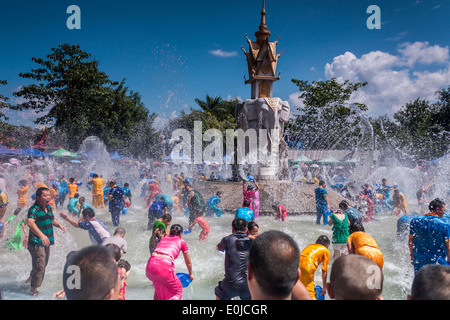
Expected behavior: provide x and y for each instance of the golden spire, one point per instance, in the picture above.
(263, 34)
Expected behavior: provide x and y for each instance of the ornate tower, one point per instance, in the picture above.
(262, 61)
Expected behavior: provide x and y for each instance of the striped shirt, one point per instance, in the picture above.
(98, 231)
(44, 221)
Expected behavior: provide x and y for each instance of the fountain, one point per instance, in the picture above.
(262, 118)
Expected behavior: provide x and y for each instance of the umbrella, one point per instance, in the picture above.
(15, 161)
(38, 163)
(329, 159)
(63, 153)
(302, 159)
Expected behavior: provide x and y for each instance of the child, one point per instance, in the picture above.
(72, 206)
(203, 224)
(158, 234)
(73, 187)
(252, 230)
(211, 205)
(124, 268)
(281, 212)
(22, 193)
(127, 192)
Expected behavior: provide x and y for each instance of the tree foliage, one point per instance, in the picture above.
(326, 119)
(78, 100)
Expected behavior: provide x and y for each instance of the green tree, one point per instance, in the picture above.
(3, 102)
(79, 100)
(327, 119)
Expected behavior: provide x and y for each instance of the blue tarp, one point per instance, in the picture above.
(4, 150)
(30, 152)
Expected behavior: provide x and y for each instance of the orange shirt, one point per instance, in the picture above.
(312, 256)
(73, 188)
(360, 239)
(22, 196)
(97, 186)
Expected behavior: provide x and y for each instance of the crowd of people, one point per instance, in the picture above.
(258, 265)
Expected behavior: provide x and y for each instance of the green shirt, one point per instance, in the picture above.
(44, 221)
(340, 229)
(156, 225)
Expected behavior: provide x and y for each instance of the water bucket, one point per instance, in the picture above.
(319, 295)
(184, 278)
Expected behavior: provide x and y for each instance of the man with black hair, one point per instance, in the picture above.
(236, 247)
(98, 275)
(429, 237)
(245, 213)
(310, 259)
(272, 270)
(98, 231)
(352, 214)
(355, 277)
(431, 282)
(40, 220)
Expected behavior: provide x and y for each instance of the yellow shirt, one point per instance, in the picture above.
(312, 256)
(73, 189)
(360, 239)
(97, 186)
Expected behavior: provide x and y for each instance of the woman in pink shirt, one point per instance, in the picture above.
(161, 267)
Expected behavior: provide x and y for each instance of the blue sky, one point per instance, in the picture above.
(172, 52)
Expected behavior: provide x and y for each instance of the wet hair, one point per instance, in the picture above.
(124, 264)
(95, 175)
(344, 204)
(167, 217)
(84, 199)
(126, 185)
(88, 212)
(356, 226)
(76, 195)
(162, 198)
(431, 282)
(39, 191)
(71, 180)
(115, 251)
(321, 183)
(323, 240)
(98, 273)
(23, 183)
(349, 277)
(239, 225)
(246, 203)
(119, 231)
(251, 225)
(219, 193)
(176, 230)
(435, 204)
(274, 258)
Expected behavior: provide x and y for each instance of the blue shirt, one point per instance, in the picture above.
(353, 215)
(213, 201)
(116, 201)
(158, 207)
(429, 234)
(320, 196)
(245, 213)
(127, 192)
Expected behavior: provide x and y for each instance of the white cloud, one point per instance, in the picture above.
(417, 70)
(223, 54)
